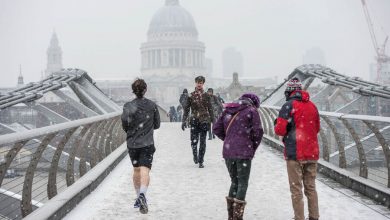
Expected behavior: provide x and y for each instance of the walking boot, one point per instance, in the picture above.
(195, 159)
(195, 154)
(238, 209)
(230, 202)
(310, 218)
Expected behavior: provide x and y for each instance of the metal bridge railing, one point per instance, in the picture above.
(37, 164)
(357, 143)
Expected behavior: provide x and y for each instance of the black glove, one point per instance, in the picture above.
(288, 127)
(183, 126)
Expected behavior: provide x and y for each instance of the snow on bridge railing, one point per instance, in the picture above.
(37, 164)
(343, 115)
(357, 143)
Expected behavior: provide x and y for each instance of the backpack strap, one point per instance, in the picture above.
(230, 123)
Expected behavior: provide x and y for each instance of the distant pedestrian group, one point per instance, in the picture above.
(175, 114)
(239, 126)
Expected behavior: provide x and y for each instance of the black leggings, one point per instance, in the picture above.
(239, 171)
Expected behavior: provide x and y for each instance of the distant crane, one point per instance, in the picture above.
(381, 57)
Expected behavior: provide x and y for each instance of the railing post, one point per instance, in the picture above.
(384, 144)
(263, 121)
(362, 156)
(340, 144)
(28, 181)
(101, 140)
(107, 149)
(95, 148)
(9, 158)
(118, 137)
(272, 117)
(72, 155)
(85, 147)
(114, 132)
(269, 124)
(325, 152)
(52, 181)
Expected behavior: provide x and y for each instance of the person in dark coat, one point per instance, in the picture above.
(183, 98)
(220, 98)
(217, 109)
(201, 115)
(172, 114)
(183, 102)
(299, 123)
(140, 118)
(179, 111)
(241, 131)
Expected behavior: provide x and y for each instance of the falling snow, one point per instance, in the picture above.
(175, 189)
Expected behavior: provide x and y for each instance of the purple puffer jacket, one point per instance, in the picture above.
(245, 132)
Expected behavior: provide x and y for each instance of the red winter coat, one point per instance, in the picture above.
(299, 122)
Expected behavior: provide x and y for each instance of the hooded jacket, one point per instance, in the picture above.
(299, 122)
(245, 132)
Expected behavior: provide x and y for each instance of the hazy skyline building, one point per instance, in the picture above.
(384, 75)
(314, 55)
(232, 62)
(54, 56)
(20, 78)
(209, 67)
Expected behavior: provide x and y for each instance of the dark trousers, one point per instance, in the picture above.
(198, 134)
(239, 171)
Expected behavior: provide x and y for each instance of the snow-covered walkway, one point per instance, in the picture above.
(181, 190)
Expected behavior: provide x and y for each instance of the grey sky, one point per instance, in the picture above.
(104, 37)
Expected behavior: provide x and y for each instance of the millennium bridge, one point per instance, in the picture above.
(63, 155)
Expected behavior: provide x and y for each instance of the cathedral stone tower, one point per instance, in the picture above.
(54, 56)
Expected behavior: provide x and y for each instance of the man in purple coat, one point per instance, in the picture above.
(240, 129)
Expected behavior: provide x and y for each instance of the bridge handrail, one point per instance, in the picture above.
(59, 154)
(29, 134)
(342, 115)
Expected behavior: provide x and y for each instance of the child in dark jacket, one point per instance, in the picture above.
(240, 128)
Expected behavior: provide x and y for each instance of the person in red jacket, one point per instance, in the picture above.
(299, 122)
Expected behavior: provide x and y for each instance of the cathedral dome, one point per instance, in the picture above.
(172, 48)
(172, 18)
